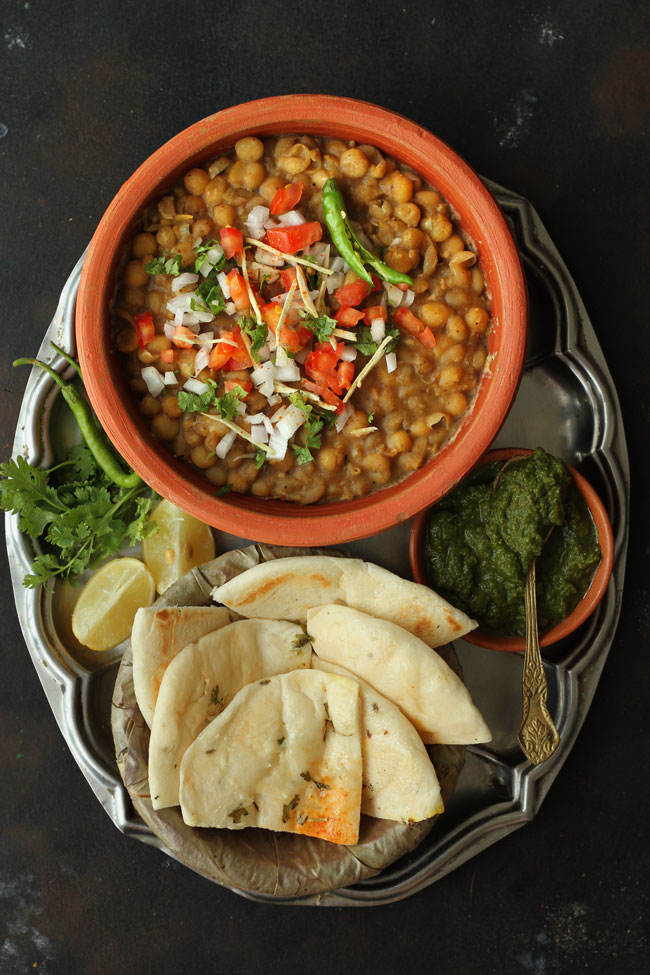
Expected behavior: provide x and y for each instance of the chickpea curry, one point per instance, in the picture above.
(302, 319)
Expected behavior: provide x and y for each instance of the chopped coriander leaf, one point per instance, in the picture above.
(171, 264)
(313, 427)
(366, 344)
(260, 458)
(321, 327)
(303, 455)
(197, 402)
(228, 403)
(299, 400)
(226, 489)
(311, 277)
(371, 416)
(202, 256)
(257, 334)
(210, 296)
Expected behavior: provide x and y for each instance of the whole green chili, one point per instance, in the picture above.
(348, 244)
(90, 431)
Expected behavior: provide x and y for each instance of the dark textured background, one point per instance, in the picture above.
(549, 99)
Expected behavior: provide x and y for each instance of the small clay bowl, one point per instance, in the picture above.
(282, 522)
(589, 601)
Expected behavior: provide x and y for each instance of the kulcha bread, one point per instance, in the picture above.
(399, 780)
(289, 587)
(403, 669)
(284, 755)
(203, 678)
(157, 636)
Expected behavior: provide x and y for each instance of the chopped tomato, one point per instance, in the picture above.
(373, 313)
(239, 357)
(183, 337)
(291, 339)
(405, 318)
(325, 394)
(345, 373)
(352, 294)
(376, 283)
(288, 276)
(231, 384)
(286, 198)
(144, 328)
(292, 239)
(167, 355)
(348, 316)
(427, 338)
(221, 352)
(238, 291)
(232, 241)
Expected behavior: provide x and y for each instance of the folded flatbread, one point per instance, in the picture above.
(203, 678)
(288, 588)
(284, 755)
(399, 780)
(157, 636)
(403, 669)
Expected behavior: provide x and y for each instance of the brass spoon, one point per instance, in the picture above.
(538, 735)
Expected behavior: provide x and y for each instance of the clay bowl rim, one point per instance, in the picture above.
(589, 601)
(282, 522)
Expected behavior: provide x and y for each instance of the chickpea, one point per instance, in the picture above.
(413, 238)
(478, 359)
(335, 146)
(283, 145)
(386, 400)
(217, 475)
(185, 248)
(430, 262)
(419, 427)
(403, 374)
(143, 245)
(296, 160)
(238, 482)
(202, 457)
(429, 200)
(354, 163)
(170, 406)
(453, 245)
(138, 386)
(451, 376)
(249, 149)
(456, 297)
(417, 403)
(360, 484)
(165, 427)
(434, 313)
(190, 436)
(398, 442)
(260, 488)
(329, 458)
(408, 213)
(166, 238)
(397, 187)
(438, 227)
(127, 340)
(477, 319)
(196, 181)
(456, 403)
(401, 259)
(214, 190)
(282, 466)
(195, 205)
(456, 328)
(270, 186)
(132, 299)
(455, 353)
(156, 301)
(204, 228)
(224, 215)
(420, 284)
(478, 281)
(159, 343)
(358, 420)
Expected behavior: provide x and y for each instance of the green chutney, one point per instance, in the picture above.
(481, 540)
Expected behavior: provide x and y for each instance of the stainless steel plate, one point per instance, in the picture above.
(566, 403)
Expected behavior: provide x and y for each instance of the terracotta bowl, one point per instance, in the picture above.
(589, 601)
(277, 521)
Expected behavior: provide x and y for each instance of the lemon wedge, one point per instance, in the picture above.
(180, 543)
(103, 615)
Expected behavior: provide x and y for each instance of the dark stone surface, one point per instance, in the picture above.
(547, 98)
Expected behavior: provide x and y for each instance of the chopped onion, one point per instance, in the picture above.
(391, 362)
(264, 353)
(259, 434)
(184, 279)
(274, 400)
(153, 379)
(291, 219)
(337, 263)
(343, 417)
(212, 257)
(291, 420)
(302, 356)
(201, 360)
(335, 281)
(269, 260)
(230, 308)
(394, 295)
(408, 298)
(224, 445)
(267, 423)
(281, 357)
(181, 302)
(169, 328)
(378, 329)
(263, 377)
(196, 386)
(278, 445)
(288, 374)
(255, 220)
(170, 379)
(349, 353)
(223, 284)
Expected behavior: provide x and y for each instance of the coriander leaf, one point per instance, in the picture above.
(257, 333)
(229, 402)
(367, 345)
(260, 458)
(321, 327)
(371, 416)
(210, 296)
(226, 489)
(299, 400)
(313, 426)
(196, 402)
(201, 252)
(84, 464)
(303, 455)
(171, 264)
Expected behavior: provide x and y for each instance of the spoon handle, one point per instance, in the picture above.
(538, 735)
